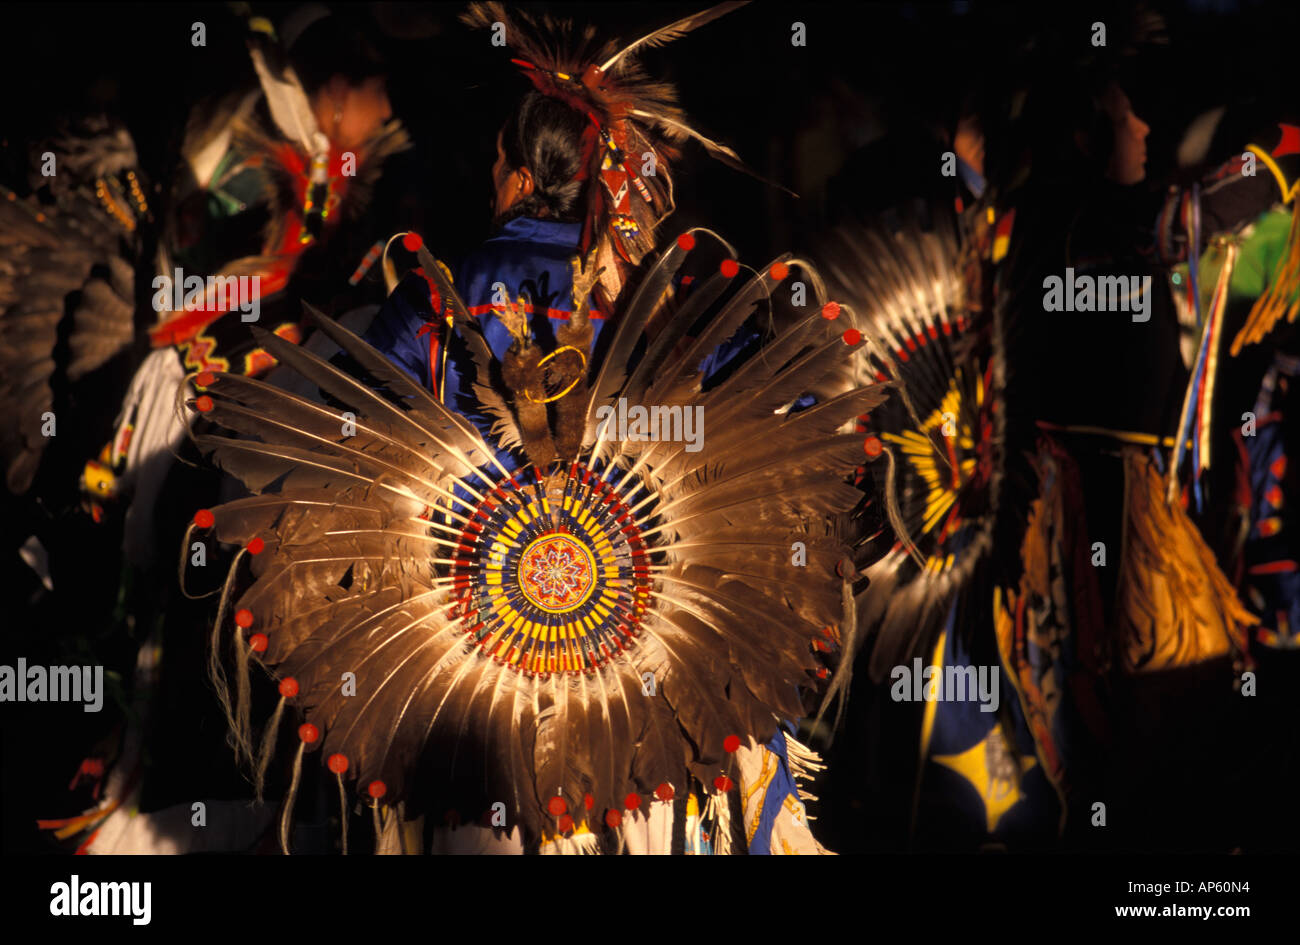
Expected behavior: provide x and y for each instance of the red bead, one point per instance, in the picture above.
(729, 268)
(614, 818)
(566, 824)
(664, 792)
(852, 337)
(204, 518)
(873, 447)
(731, 743)
(556, 806)
(779, 271)
(588, 801)
(255, 546)
(723, 783)
(822, 672)
(258, 642)
(206, 379)
(308, 732)
(204, 404)
(686, 241)
(377, 789)
(244, 618)
(632, 801)
(831, 311)
(337, 763)
(412, 242)
(288, 687)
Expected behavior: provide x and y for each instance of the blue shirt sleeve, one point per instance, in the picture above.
(395, 331)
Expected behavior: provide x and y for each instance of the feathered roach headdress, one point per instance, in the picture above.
(632, 120)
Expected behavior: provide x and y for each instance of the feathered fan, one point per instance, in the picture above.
(569, 636)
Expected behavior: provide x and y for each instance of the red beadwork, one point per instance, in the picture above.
(723, 783)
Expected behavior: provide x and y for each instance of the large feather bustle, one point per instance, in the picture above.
(942, 439)
(357, 530)
(73, 261)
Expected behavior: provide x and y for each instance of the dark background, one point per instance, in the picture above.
(871, 74)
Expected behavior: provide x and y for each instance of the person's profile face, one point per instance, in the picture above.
(1128, 158)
